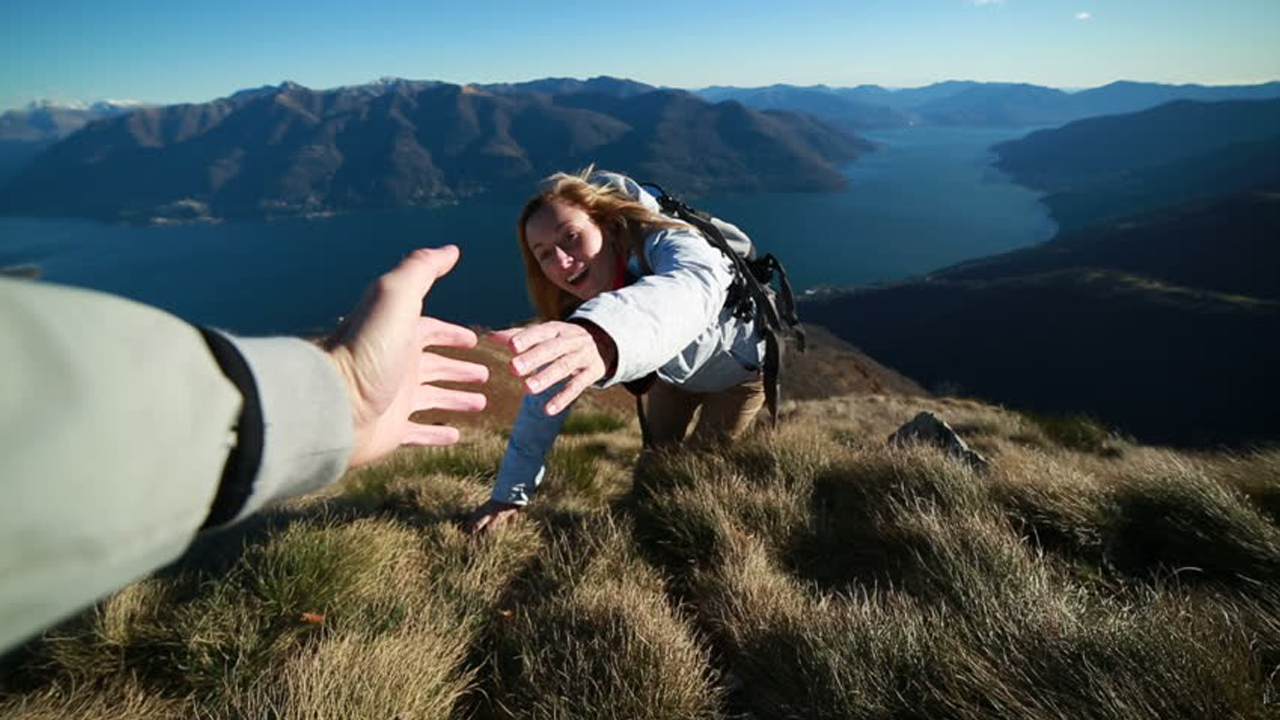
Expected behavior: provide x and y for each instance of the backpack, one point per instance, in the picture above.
(751, 294)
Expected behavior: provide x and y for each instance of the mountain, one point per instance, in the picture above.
(998, 104)
(964, 102)
(1096, 148)
(25, 133)
(1162, 326)
(602, 85)
(1102, 169)
(290, 150)
(839, 108)
(1127, 97)
(47, 121)
(1236, 168)
(911, 98)
(704, 148)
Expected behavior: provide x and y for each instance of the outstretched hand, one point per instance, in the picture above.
(490, 516)
(380, 351)
(549, 352)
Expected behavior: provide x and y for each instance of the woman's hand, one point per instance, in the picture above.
(489, 516)
(549, 352)
(379, 351)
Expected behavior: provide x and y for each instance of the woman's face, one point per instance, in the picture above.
(571, 250)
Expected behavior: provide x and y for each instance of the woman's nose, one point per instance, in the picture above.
(563, 259)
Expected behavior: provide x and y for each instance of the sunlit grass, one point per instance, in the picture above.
(811, 572)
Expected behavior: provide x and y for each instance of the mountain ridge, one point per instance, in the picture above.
(288, 150)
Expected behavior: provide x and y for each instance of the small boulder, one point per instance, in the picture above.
(930, 429)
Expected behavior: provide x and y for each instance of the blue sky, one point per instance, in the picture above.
(168, 52)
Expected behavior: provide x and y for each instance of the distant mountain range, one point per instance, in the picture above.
(286, 149)
(25, 133)
(616, 87)
(976, 103)
(1105, 168)
(290, 150)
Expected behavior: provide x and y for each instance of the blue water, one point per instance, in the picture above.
(928, 198)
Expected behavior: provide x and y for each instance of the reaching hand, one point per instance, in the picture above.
(559, 350)
(489, 516)
(380, 352)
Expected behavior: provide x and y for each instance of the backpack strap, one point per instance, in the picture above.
(752, 297)
(749, 294)
(768, 265)
(646, 437)
(638, 388)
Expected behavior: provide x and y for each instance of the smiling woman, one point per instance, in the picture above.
(572, 226)
(629, 296)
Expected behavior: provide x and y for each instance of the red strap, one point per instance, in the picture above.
(620, 273)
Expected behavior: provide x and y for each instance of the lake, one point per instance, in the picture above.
(928, 198)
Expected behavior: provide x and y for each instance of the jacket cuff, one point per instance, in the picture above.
(294, 434)
(615, 328)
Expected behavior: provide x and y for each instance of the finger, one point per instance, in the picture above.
(431, 435)
(428, 397)
(543, 354)
(433, 332)
(564, 367)
(571, 391)
(503, 337)
(475, 524)
(437, 368)
(497, 519)
(535, 334)
(420, 268)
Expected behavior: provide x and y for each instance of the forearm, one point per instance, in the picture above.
(652, 320)
(118, 422)
(532, 437)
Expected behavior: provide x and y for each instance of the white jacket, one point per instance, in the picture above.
(673, 321)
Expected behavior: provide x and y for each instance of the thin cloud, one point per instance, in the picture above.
(980, 3)
(1084, 16)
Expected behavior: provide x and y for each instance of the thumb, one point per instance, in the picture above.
(422, 267)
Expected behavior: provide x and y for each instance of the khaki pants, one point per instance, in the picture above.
(725, 414)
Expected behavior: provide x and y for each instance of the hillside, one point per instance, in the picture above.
(1161, 326)
(1226, 244)
(1236, 168)
(290, 150)
(1099, 148)
(26, 133)
(811, 573)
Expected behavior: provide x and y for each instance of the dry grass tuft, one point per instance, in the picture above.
(808, 572)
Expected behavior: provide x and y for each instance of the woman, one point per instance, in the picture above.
(624, 292)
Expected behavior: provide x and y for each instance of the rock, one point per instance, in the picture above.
(930, 429)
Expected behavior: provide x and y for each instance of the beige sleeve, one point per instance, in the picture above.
(115, 425)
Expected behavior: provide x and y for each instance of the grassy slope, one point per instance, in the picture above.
(809, 573)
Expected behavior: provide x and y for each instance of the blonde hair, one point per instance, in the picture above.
(623, 222)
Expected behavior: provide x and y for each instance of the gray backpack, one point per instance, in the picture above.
(751, 295)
